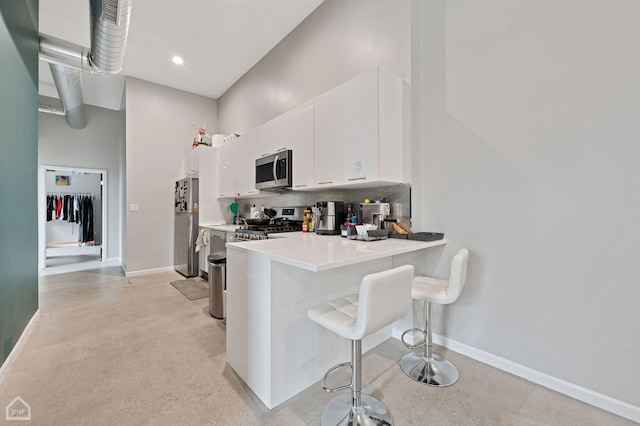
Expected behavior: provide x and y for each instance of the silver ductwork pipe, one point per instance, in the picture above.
(109, 30)
(50, 109)
(61, 52)
(69, 88)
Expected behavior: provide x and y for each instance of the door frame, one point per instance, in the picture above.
(42, 209)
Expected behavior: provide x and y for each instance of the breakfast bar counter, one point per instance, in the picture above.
(271, 344)
(316, 253)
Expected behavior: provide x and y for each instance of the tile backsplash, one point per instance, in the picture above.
(399, 196)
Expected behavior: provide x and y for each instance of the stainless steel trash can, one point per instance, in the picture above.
(217, 268)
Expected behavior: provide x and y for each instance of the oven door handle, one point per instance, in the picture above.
(275, 171)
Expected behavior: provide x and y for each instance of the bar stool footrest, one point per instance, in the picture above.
(415, 330)
(330, 372)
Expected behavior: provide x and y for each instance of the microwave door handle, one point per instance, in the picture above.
(275, 171)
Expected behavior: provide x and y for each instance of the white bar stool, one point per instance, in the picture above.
(425, 366)
(384, 298)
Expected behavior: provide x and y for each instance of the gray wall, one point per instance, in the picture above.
(159, 136)
(97, 146)
(18, 169)
(531, 161)
(338, 41)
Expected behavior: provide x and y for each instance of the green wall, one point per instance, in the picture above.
(18, 169)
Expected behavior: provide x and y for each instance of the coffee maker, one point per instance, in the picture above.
(329, 217)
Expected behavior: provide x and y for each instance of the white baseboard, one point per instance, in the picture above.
(596, 399)
(18, 346)
(149, 271)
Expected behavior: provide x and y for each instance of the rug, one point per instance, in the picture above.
(192, 288)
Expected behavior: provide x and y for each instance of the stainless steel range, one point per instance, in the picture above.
(287, 219)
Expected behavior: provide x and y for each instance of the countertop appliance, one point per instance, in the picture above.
(374, 213)
(330, 215)
(185, 229)
(273, 172)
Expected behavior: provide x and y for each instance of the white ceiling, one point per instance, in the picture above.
(219, 40)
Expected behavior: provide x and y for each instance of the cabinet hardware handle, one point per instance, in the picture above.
(264, 155)
(323, 183)
(300, 186)
(358, 178)
(282, 149)
(275, 172)
(252, 192)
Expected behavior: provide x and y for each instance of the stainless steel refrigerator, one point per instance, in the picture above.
(185, 232)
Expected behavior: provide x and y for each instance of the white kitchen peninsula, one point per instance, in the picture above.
(271, 344)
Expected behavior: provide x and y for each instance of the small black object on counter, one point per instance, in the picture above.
(420, 236)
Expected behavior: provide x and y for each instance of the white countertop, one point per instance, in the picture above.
(224, 228)
(321, 252)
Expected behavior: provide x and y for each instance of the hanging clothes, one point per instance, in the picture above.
(65, 208)
(87, 217)
(49, 208)
(58, 207)
(76, 208)
(70, 209)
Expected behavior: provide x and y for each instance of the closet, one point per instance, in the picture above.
(73, 210)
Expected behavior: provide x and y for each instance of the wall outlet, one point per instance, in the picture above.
(134, 207)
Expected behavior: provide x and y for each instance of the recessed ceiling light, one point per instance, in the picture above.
(177, 60)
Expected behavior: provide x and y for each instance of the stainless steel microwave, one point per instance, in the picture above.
(274, 171)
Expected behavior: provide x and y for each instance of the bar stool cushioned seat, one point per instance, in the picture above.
(384, 298)
(425, 366)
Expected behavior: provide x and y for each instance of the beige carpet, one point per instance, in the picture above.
(192, 288)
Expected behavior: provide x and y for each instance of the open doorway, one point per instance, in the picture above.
(72, 218)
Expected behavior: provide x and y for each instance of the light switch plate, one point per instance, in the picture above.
(134, 208)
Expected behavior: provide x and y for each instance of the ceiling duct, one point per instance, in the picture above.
(109, 29)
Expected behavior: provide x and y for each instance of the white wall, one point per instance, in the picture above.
(159, 136)
(339, 40)
(97, 146)
(531, 119)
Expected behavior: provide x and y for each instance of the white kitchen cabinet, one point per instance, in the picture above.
(226, 169)
(374, 129)
(266, 138)
(208, 185)
(327, 138)
(236, 167)
(193, 160)
(282, 125)
(245, 164)
(302, 146)
(274, 135)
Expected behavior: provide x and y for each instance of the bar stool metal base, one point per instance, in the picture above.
(437, 372)
(338, 411)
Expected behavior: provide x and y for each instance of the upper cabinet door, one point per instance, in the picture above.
(282, 125)
(274, 135)
(245, 164)
(266, 137)
(226, 177)
(360, 128)
(327, 146)
(302, 145)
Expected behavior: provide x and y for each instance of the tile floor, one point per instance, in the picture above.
(111, 350)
